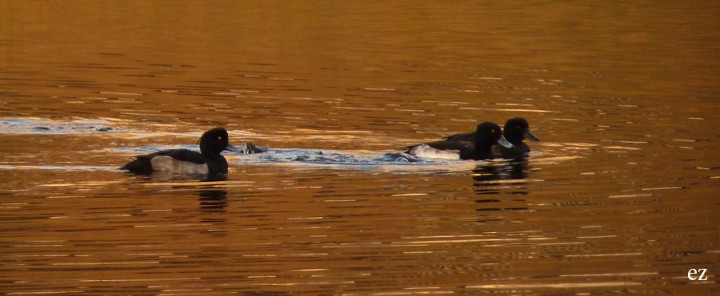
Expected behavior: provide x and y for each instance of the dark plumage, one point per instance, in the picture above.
(515, 131)
(208, 161)
(478, 147)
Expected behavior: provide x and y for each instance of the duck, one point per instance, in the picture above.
(476, 147)
(208, 161)
(515, 131)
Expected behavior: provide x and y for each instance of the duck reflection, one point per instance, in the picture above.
(213, 200)
(174, 177)
(500, 187)
(494, 179)
(213, 203)
(208, 187)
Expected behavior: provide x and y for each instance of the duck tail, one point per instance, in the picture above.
(407, 149)
(140, 165)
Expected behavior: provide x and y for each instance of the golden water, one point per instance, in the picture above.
(619, 197)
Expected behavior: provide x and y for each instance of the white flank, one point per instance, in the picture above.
(426, 151)
(172, 165)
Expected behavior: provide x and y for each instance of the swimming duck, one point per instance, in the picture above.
(515, 131)
(477, 147)
(182, 161)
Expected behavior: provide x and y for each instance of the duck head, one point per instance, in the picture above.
(487, 134)
(214, 141)
(517, 129)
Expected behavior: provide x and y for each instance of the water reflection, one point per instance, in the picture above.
(627, 93)
(213, 200)
(492, 178)
(496, 184)
(160, 176)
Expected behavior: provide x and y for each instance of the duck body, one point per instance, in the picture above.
(452, 150)
(183, 161)
(461, 137)
(518, 151)
(478, 148)
(175, 160)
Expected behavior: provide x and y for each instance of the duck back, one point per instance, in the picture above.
(164, 161)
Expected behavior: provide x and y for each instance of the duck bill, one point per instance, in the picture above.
(504, 142)
(232, 148)
(528, 135)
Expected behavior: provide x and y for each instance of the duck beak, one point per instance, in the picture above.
(232, 148)
(504, 142)
(528, 135)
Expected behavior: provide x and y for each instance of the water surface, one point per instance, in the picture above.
(619, 197)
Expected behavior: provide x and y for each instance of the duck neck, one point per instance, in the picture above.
(482, 146)
(213, 156)
(217, 164)
(514, 139)
(209, 152)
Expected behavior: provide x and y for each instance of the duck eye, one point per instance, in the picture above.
(220, 137)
